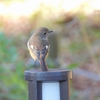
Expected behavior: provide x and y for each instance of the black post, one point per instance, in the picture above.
(35, 79)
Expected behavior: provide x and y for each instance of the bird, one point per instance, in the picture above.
(39, 46)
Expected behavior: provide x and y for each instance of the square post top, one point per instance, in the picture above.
(51, 75)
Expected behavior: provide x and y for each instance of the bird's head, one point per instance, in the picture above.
(42, 33)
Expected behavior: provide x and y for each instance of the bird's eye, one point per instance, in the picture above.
(44, 33)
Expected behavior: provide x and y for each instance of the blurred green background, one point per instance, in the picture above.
(75, 44)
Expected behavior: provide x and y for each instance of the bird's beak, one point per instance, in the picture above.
(50, 31)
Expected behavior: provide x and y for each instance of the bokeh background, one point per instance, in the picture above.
(75, 44)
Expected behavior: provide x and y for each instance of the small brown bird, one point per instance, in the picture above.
(39, 47)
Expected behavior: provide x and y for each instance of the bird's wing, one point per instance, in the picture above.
(33, 51)
(46, 48)
(44, 52)
(39, 53)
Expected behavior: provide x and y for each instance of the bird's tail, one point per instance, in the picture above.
(43, 65)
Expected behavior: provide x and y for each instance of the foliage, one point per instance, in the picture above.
(8, 52)
(12, 83)
(72, 66)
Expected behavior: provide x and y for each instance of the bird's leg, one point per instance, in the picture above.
(34, 64)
